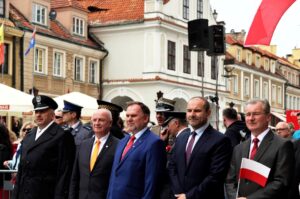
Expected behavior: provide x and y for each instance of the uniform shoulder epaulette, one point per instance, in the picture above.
(87, 128)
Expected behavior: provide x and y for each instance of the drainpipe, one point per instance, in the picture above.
(100, 96)
(22, 62)
(14, 63)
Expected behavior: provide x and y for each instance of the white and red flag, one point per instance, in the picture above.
(265, 21)
(254, 171)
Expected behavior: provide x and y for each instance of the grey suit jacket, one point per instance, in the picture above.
(86, 184)
(275, 153)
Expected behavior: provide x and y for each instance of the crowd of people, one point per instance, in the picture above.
(182, 157)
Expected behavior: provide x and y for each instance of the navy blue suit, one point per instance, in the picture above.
(203, 177)
(136, 175)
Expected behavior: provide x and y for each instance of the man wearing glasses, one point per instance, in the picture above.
(71, 116)
(283, 130)
(266, 148)
(59, 117)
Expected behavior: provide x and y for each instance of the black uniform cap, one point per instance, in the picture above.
(41, 102)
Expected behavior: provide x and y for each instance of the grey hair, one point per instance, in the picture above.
(265, 103)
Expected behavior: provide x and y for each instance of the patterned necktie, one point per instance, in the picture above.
(254, 148)
(128, 146)
(189, 148)
(94, 154)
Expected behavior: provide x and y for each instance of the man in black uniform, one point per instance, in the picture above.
(47, 156)
(115, 110)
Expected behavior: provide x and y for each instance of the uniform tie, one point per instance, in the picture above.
(189, 148)
(254, 148)
(128, 146)
(94, 154)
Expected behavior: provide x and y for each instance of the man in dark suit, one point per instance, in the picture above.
(115, 110)
(234, 127)
(94, 160)
(200, 158)
(71, 116)
(47, 156)
(139, 159)
(266, 148)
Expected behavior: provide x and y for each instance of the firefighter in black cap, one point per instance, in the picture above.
(47, 156)
(115, 111)
(71, 116)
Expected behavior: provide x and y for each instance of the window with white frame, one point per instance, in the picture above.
(235, 84)
(199, 9)
(186, 60)
(295, 103)
(79, 68)
(2, 8)
(249, 58)
(186, 9)
(288, 102)
(58, 63)
(298, 103)
(94, 71)
(266, 91)
(267, 67)
(274, 93)
(246, 86)
(257, 62)
(39, 14)
(273, 66)
(40, 60)
(256, 88)
(200, 65)
(228, 84)
(279, 95)
(171, 55)
(239, 54)
(78, 26)
(291, 102)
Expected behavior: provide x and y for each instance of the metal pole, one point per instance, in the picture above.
(217, 94)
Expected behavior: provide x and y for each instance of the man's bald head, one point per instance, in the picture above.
(283, 129)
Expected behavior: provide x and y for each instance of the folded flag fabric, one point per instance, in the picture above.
(32, 42)
(2, 46)
(265, 21)
(254, 171)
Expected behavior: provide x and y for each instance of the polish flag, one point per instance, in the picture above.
(254, 171)
(265, 21)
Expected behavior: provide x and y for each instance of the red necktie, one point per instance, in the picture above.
(128, 146)
(189, 148)
(254, 148)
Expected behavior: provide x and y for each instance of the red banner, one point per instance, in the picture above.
(291, 116)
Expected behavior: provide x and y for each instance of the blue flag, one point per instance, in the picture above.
(32, 42)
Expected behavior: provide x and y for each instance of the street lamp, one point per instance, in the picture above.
(215, 15)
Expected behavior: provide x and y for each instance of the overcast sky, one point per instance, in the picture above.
(238, 15)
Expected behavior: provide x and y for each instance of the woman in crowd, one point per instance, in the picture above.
(5, 152)
(13, 164)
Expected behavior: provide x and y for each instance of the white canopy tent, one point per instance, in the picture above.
(14, 101)
(88, 103)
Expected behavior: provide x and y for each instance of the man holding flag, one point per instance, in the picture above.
(261, 167)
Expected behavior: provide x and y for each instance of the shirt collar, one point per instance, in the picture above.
(44, 129)
(102, 139)
(260, 136)
(200, 130)
(140, 133)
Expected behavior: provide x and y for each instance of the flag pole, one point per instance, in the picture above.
(238, 188)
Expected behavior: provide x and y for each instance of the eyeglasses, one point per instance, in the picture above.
(26, 129)
(58, 117)
(282, 129)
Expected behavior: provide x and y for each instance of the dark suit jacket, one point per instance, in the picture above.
(273, 152)
(86, 184)
(205, 174)
(294, 192)
(46, 165)
(136, 175)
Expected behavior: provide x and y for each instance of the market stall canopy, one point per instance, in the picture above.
(13, 100)
(88, 103)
